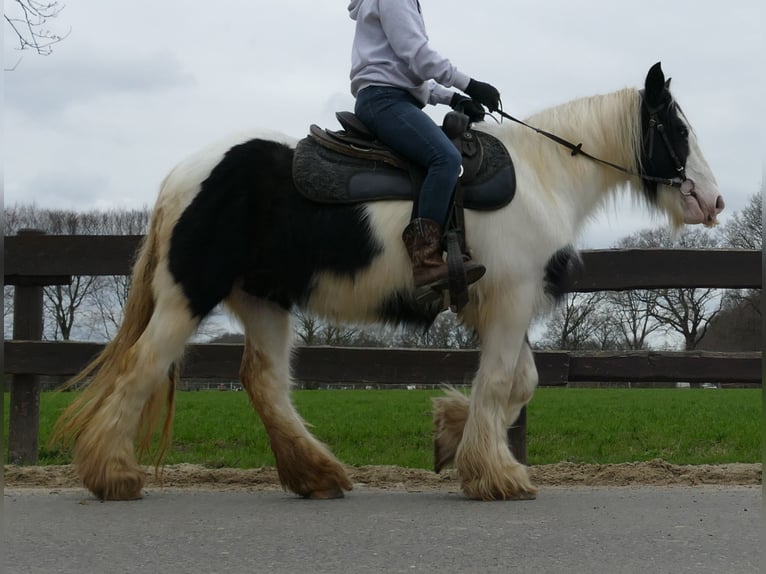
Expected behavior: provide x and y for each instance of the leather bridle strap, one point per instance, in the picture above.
(576, 149)
(656, 124)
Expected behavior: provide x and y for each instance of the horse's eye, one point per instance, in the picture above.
(684, 131)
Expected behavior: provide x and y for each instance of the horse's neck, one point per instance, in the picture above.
(607, 126)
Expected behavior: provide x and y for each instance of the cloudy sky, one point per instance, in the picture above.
(139, 85)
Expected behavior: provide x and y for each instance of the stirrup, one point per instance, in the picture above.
(458, 281)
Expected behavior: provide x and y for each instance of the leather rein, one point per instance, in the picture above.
(682, 182)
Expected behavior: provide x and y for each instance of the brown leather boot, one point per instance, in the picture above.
(423, 240)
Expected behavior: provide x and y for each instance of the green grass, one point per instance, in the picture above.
(220, 429)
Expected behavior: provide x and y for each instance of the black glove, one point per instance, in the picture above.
(485, 94)
(467, 106)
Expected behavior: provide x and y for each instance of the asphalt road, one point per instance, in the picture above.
(566, 530)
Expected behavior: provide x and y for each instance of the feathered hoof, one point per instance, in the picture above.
(327, 494)
(326, 482)
(511, 484)
(450, 415)
(116, 483)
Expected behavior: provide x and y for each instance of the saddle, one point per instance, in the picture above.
(351, 165)
(356, 140)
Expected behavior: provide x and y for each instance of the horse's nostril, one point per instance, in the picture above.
(719, 204)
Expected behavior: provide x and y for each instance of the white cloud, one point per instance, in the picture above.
(46, 91)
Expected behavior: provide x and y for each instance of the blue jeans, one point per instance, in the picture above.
(397, 119)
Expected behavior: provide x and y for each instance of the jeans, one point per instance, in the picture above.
(396, 118)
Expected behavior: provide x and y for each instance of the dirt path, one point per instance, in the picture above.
(654, 473)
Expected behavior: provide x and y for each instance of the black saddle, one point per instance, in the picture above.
(351, 165)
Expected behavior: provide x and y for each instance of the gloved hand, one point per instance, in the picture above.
(472, 109)
(485, 94)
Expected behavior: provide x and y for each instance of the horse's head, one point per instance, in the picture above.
(670, 152)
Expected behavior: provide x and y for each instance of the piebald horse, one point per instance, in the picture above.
(229, 226)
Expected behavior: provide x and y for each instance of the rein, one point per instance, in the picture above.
(684, 184)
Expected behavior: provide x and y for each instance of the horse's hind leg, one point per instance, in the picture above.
(304, 464)
(119, 406)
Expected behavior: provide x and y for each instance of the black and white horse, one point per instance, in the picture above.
(230, 227)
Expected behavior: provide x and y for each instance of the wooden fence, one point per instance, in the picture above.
(33, 260)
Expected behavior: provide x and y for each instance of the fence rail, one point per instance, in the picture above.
(387, 366)
(33, 260)
(40, 258)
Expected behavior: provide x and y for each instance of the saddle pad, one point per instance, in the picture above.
(326, 176)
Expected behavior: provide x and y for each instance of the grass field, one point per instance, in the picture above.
(220, 429)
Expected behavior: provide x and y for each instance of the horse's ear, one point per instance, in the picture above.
(655, 85)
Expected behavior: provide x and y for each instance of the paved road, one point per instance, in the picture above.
(572, 530)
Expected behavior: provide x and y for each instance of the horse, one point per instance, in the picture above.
(229, 227)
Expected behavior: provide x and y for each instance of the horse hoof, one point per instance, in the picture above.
(326, 494)
(124, 488)
(524, 495)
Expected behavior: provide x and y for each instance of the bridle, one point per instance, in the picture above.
(656, 125)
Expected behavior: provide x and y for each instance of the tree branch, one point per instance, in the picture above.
(29, 26)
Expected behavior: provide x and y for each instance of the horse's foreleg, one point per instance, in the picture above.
(305, 465)
(107, 427)
(451, 410)
(503, 383)
(524, 384)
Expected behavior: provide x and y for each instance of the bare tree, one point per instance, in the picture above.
(736, 327)
(632, 313)
(688, 312)
(108, 295)
(63, 303)
(93, 304)
(60, 302)
(314, 331)
(29, 20)
(683, 311)
(580, 322)
(446, 332)
(744, 230)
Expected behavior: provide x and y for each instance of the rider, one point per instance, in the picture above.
(394, 74)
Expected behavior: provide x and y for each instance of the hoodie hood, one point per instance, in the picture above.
(353, 8)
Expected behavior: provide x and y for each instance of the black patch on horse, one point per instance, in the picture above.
(249, 223)
(561, 268)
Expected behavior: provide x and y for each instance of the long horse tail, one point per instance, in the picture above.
(99, 378)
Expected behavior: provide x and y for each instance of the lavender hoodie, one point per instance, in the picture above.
(391, 49)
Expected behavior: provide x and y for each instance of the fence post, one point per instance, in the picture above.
(517, 437)
(25, 389)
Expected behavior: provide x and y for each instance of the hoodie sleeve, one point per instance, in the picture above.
(438, 94)
(403, 25)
